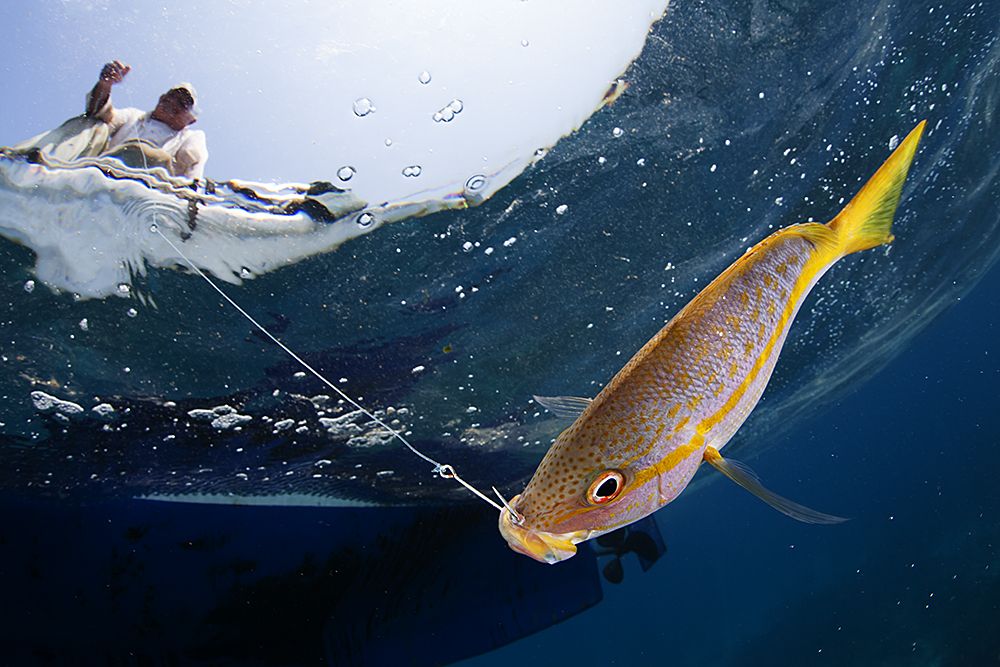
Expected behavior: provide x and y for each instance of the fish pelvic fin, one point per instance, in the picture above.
(746, 478)
(866, 221)
(567, 407)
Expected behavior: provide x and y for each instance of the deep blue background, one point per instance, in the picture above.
(912, 579)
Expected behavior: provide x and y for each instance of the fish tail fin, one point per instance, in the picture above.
(866, 221)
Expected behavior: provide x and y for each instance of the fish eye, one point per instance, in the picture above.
(605, 487)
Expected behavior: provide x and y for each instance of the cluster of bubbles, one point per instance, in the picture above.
(412, 171)
(448, 112)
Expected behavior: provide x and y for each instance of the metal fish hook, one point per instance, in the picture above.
(516, 517)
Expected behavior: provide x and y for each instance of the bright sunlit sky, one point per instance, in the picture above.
(277, 87)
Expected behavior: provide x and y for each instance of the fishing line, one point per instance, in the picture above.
(444, 470)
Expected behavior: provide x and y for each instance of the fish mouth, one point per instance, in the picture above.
(544, 547)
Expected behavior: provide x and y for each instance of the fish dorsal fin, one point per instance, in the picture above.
(569, 407)
(746, 478)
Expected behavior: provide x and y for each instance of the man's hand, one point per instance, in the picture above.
(114, 72)
(99, 99)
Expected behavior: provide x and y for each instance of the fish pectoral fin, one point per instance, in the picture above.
(746, 478)
(569, 407)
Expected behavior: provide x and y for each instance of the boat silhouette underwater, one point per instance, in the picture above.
(184, 583)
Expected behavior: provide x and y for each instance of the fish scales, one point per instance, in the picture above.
(684, 394)
(686, 374)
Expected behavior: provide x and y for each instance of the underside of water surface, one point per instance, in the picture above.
(447, 316)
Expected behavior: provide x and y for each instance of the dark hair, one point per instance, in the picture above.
(188, 100)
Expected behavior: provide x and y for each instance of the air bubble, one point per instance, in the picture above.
(540, 153)
(388, 142)
(524, 42)
(425, 77)
(153, 228)
(365, 219)
(562, 208)
(476, 182)
(124, 288)
(412, 171)
(131, 312)
(84, 325)
(363, 106)
(448, 112)
(29, 286)
(346, 173)
(617, 132)
(245, 273)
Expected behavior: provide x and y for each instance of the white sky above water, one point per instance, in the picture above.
(277, 87)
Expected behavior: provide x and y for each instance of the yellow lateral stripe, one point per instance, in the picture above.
(821, 256)
(668, 462)
(664, 465)
(864, 223)
(812, 266)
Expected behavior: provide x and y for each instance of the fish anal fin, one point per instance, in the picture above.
(569, 407)
(746, 478)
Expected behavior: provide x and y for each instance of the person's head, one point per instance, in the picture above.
(176, 107)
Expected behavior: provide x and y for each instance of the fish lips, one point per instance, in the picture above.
(544, 547)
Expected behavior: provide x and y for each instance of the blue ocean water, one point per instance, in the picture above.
(911, 579)
(739, 118)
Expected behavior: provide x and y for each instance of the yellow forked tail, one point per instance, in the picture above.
(866, 221)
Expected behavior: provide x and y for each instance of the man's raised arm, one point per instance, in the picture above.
(99, 99)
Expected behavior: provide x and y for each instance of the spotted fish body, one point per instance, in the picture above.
(686, 392)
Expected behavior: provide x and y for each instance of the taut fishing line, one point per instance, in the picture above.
(444, 470)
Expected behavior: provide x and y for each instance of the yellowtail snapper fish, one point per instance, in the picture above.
(678, 401)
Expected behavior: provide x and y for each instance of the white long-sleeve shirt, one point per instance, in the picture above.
(188, 147)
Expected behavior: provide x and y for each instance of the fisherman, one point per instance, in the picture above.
(158, 138)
